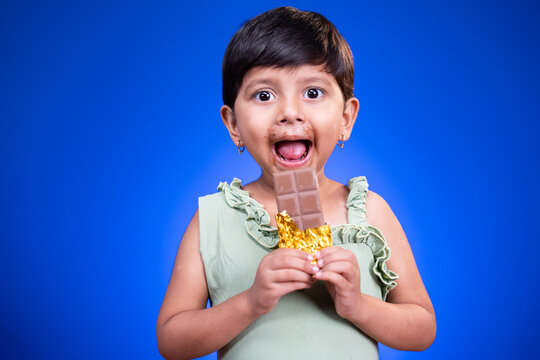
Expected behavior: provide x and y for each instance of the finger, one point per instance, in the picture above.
(339, 281)
(333, 251)
(289, 287)
(334, 254)
(287, 261)
(290, 275)
(290, 252)
(348, 270)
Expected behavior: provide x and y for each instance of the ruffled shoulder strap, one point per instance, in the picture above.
(372, 237)
(356, 203)
(257, 220)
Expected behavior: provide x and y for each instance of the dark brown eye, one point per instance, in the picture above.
(313, 93)
(264, 96)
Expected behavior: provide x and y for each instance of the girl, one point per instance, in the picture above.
(287, 88)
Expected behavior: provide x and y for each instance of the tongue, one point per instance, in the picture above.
(291, 150)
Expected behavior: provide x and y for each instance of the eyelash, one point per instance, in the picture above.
(320, 93)
(259, 92)
(272, 96)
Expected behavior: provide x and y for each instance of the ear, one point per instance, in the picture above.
(349, 117)
(227, 115)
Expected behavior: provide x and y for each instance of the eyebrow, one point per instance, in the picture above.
(258, 81)
(270, 81)
(315, 79)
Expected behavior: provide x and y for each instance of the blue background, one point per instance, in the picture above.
(110, 131)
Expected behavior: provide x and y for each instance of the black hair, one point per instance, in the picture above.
(286, 36)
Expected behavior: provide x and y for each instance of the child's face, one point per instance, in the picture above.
(290, 118)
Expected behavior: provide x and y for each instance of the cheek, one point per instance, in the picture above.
(256, 136)
(332, 126)
(328, 135)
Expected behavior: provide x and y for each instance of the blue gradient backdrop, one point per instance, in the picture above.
(110, 130)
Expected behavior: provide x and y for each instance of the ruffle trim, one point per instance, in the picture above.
(257, 220)
(356, 203)
(258, 226)
(372, 237)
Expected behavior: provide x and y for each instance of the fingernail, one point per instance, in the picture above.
(316, 269)
(319, 273)
(320, 262)
(310, 257)
(317, 254)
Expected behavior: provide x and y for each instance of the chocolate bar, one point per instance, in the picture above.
(297, 192)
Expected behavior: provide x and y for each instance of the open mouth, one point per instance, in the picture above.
(292, 153)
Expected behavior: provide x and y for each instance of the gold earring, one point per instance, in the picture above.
(341, 141)
(240, 148)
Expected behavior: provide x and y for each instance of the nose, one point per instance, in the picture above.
(290, 111)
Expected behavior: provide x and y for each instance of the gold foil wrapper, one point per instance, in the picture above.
(309, 240)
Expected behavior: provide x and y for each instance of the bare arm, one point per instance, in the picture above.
(407, 320)
(183, 324)
(185, 329)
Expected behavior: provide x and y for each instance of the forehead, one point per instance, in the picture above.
(302, 73)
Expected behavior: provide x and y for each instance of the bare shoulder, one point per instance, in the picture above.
(379, 213)
(375, 204)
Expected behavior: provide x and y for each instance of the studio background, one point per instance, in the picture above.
(110, 130)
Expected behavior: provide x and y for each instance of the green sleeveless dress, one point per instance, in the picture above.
(235, 234)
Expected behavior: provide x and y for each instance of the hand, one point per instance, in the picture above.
(280, 272)
(340, 271)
